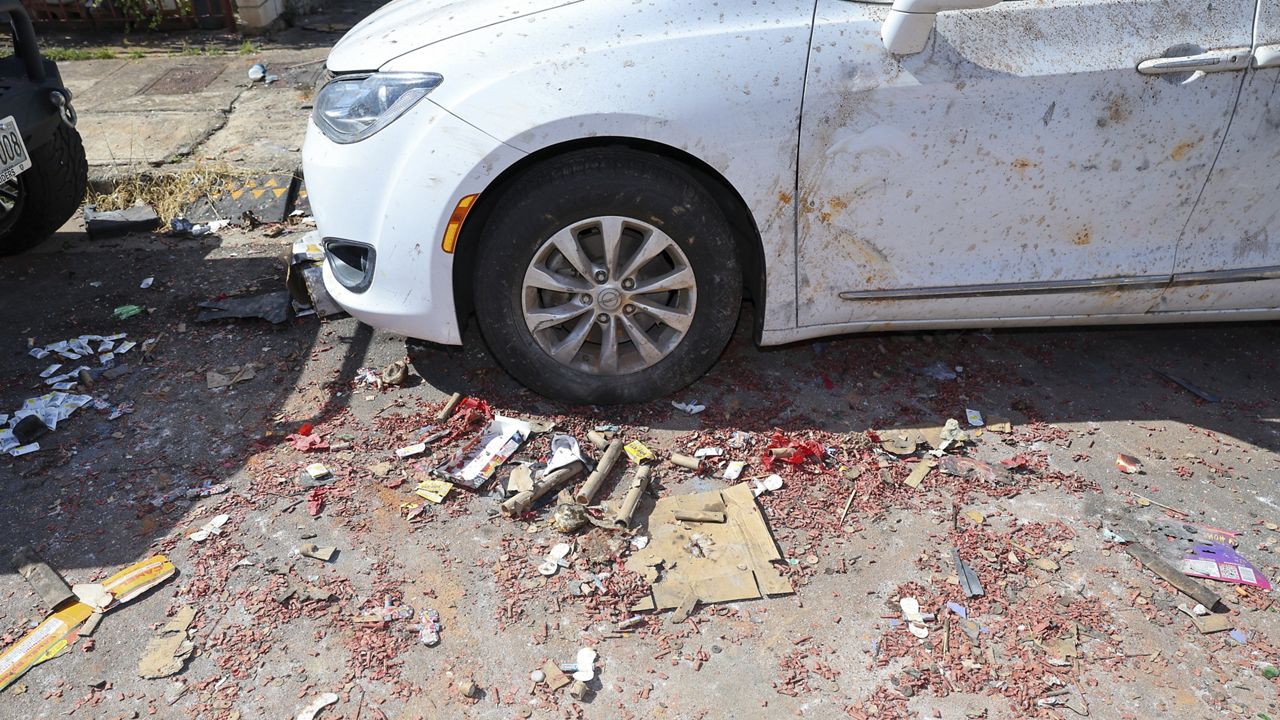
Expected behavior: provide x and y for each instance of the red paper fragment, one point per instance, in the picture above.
(801, 451)
(315, 500)
(307, 443)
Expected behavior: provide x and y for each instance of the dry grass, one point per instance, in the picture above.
(171, 193)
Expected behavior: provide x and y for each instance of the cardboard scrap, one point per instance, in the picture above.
(311, 550)
(521, 479)
(710, 516)
(1045, 564)
(899, 442)
(919, 472)
(554, 677)
(999, 425)
(1064, 649)
(51, 637)
(168, 651)
(1208, 623)
(46, 581)
(735, 558)
(90, 625)
(95, 595)
(685, 608)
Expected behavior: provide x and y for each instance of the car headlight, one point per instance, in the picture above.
(350, 108)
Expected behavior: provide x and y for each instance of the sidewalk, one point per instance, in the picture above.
(154, 114)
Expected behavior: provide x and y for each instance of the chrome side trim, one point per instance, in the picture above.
(1137, 282)
(1023, 288)
(1217, 277)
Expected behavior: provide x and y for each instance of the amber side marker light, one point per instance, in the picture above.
(455, 222)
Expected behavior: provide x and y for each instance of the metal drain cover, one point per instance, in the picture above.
(184, 79)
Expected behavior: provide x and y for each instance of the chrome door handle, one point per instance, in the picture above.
(1267, 56)
(1207, 62)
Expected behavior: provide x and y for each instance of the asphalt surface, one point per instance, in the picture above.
(98, 496)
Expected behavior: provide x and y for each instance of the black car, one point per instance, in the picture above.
(43, 171)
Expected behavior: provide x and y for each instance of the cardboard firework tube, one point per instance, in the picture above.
(686, 461)
(449, 407)
(588, 491)
(523, 501)
(638, 485)
(599, 439)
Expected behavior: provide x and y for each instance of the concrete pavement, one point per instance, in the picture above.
(275, 629)
(164, 113)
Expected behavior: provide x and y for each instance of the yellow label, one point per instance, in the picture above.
(638, 451)
(433, 490)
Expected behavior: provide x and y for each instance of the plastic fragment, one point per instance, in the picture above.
(211, 528)
(692, 408)
(323, 701)
(586, 665)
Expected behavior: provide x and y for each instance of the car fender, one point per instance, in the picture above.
(724, 88)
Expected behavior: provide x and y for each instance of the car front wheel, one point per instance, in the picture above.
(607, 276)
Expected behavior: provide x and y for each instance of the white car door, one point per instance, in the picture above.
(1229, 254)
(1021, 166)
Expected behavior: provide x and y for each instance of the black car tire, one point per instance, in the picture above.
(48, 192)
(606, 182)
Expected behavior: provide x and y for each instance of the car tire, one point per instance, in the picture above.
(646, 202)
(47, 194)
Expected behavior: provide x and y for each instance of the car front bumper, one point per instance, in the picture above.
(393, 193)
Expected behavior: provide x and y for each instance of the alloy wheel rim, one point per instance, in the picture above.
(609, 295)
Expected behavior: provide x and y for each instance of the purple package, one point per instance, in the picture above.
(1217, 561)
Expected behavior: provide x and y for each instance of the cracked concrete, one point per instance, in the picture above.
(164, 113)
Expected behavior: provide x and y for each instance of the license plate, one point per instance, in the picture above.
(13, 153)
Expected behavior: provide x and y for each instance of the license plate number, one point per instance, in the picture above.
(13, 153)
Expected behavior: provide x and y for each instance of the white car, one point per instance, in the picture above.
(601, 182)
